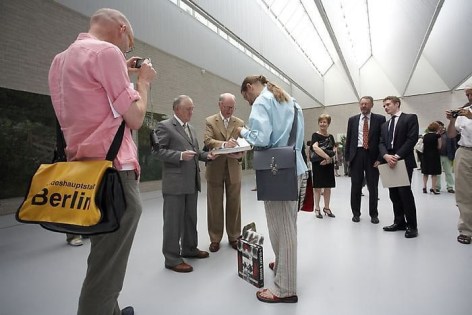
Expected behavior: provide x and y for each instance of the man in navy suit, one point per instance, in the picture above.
(362, 153)
(398, 138)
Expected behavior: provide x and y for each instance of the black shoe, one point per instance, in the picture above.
(127, 311)
(394, 227)
(374, 220)
(411, 232)
(355, 219)
(450, 190)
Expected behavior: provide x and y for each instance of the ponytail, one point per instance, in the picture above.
(280, 95)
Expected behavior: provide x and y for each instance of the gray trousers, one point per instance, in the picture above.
(109, 257)
(463, 173)
(180, 236)
(282, 226)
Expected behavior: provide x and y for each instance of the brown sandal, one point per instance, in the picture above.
(266, 296)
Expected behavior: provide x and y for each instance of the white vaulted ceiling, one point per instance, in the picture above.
(326, 52)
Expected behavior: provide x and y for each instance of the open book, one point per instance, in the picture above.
(243, 145)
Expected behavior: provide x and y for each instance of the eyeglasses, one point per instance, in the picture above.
(130, 41)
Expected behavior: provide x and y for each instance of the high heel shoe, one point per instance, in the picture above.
(318, 214)
(328, 212)
(425, 191)
(434, 191)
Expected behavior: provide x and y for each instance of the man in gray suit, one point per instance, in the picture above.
(177, 147)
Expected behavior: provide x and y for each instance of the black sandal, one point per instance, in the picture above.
(464, 239)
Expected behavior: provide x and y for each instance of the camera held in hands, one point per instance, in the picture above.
(139, 62)
(455, 113)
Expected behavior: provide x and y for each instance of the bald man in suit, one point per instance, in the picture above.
(223, 175)
(177, 147)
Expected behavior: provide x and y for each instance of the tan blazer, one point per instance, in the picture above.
(215, 135)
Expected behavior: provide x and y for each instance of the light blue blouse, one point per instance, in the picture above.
(270, 123)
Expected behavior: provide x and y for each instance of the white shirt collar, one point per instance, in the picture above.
(180, 121)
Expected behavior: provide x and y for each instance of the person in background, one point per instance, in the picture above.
(269, 125)
(397, 140)
(460, 121)
(362, 153)
(224, 174)
(177, 148)
(431, 165)
(447, 152)
(92, 94)
(322, 165)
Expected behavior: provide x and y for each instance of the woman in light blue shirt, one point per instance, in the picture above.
(269, 125)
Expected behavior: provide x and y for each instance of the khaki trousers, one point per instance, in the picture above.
(463, 173)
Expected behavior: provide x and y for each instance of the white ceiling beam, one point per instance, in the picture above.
(332, 35)
(423, 44)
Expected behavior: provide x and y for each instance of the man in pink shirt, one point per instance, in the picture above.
(92, 94)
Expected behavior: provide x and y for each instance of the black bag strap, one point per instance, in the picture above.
(293, 136)
(60, 154)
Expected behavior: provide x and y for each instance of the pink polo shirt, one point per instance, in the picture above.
(86, 81)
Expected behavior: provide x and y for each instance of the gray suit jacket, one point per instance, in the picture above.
(178, 177)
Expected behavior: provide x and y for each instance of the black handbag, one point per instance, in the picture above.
(276, 170)
(323, 146)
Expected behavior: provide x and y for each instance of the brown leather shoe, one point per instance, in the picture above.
(234, 244)
(200, 254)
(214, 247)
(182, 267)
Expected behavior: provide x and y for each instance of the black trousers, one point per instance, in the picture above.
(404, 208)
(362, 167)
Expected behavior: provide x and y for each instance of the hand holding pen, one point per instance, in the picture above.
(231, 143)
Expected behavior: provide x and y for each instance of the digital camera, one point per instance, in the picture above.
(455, 113)
(140, 61)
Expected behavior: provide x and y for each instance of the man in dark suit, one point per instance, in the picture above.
(397, 141)
(177, 147)
(362, 153)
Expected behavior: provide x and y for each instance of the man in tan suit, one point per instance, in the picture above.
(223, 174)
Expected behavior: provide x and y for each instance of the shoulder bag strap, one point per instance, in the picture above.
(112, 152)
(292, 138)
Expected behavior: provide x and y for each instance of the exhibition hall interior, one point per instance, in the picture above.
(328, 55)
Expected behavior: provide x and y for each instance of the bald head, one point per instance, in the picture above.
(227, 102)
(112, 26)
(468, 93)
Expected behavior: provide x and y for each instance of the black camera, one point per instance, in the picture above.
(455, 113)
(140, 61)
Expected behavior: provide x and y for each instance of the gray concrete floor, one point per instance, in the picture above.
(343, 267)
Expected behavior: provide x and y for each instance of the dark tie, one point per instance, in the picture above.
(365, 133)
(391, 127)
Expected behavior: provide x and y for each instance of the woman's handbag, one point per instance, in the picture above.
(419, 145)
(276, 170)
(77, 197)
(324, 146)
(306, 202)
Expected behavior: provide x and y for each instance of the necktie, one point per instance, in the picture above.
(391, 127)
(365, 133)
(225, 121)
(187, 131)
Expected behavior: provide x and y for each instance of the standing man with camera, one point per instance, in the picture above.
(92, 94)
(224, 174)
(460, 121)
